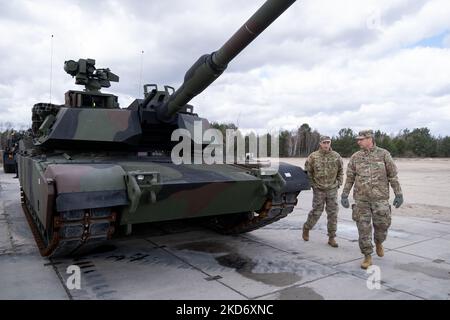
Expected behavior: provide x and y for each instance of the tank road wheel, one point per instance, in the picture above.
(226, 223)
(72, 232)
(273, 210)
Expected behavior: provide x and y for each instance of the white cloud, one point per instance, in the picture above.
(322, 62)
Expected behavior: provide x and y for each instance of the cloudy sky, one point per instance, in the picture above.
(383, 64)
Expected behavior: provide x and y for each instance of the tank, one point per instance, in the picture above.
(10, 146)
(91, 170)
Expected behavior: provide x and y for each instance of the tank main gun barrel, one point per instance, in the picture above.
(210, 66)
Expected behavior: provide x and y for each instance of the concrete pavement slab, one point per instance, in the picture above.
(446, 237)
(399, 238)
(5, 241)
(403, 230)
(136, 269)
(407, 273)
(240, 264)
(347, 230)
(353, 288)
(420, 227)
(437, 249)
(316, 249)
(17, 228)
(26, 277)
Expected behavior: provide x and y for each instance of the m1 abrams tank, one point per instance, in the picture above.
(91, 170)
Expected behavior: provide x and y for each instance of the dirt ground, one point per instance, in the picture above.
(425, 183)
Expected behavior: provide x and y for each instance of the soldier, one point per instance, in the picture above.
(371, 170)
(325, 173)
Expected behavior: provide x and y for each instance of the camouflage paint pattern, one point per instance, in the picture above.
(371, 172)
(188, 191)
(37, 188)
(325, 174)
(365, 214)
(321, 199)
(98, 125)
(325, 169)
(85, 177)
(179, 191)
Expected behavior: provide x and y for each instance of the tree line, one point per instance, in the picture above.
(418, 142)
(300, 142)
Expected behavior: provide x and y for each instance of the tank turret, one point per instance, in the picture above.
(147, 124)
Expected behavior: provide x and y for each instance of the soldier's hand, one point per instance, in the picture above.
(398, 200)
(344, 201)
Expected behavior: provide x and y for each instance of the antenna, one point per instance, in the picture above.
(51, 67)
(140, 72)
(238, 118)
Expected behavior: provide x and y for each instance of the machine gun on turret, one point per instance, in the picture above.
(93, 80)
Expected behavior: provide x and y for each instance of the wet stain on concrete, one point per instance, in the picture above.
(279, 279)
(438, 261)
(299, 293)
(205, 246)
(226, 256)
(426, 269)
(236, 261)
(245, 265)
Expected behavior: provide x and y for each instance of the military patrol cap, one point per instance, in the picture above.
(324, 138)
(364, 134)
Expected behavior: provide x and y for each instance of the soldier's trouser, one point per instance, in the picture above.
(321, 199)
(363, 213)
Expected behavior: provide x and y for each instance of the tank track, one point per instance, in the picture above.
(78, 231)
(73, 232)
(273, 210)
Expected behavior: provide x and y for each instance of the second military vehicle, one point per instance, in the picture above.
(92, 170)
(10, 147)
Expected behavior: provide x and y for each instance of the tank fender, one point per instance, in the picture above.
(81, 186)
(295, 177)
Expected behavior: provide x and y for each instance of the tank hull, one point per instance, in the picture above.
(129, 190)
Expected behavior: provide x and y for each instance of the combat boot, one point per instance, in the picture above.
(305, 234)
(380, 250)
(367, 261)
(332, 242)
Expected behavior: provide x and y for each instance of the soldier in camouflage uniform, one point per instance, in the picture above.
(371, 170)
(325, 172)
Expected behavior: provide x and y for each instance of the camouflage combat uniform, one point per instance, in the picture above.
(325, 172)
(371, 172)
